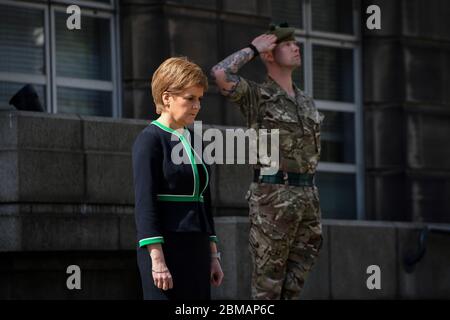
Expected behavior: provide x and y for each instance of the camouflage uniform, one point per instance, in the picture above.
(286, 232)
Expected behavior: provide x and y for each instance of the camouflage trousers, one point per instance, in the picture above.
(285, 238)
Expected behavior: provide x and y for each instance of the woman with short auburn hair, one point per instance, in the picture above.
(177, 252)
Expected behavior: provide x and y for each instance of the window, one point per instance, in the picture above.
(330, 49)
(23, 50)
(333, 73)
(73, 71)
(334, 16)
(290, 11)
(299, 74)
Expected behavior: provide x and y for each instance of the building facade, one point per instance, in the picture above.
(384, 93)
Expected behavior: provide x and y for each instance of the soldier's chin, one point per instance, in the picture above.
(295, 66)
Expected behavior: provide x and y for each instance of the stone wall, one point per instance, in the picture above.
(407, 115)
(109, 271)
(66, 198)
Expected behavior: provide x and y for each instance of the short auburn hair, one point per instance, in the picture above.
(175, 75)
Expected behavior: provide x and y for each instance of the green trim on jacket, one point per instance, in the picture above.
(153, 240)
(196, 195)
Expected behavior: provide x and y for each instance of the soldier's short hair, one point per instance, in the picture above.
(175, 75)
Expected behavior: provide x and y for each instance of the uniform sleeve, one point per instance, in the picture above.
(247, 96)
(147, 159)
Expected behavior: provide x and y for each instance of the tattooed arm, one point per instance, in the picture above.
(225, 72)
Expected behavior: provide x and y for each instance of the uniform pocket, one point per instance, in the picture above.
(262, 194)
(312, 123)
(285, 121)
(259, 246)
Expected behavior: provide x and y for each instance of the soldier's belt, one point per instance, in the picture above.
(283, 177)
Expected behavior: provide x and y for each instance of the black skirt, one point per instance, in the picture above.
(188, 257)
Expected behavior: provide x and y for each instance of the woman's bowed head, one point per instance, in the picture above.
(178, 86)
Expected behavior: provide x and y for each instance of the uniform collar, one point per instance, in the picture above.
(298, 93)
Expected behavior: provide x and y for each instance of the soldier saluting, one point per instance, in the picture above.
(285, 227)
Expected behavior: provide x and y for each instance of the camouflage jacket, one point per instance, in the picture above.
(268, 106)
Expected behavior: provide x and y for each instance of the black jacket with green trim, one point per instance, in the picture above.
(169, 196)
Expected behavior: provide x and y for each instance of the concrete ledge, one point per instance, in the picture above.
(63, 227)
(430, 278)
(341, 269)
(236, 263)
(109, 178)
(353, 250)
(26, 129)
(115, 135)
(340, 272)
(59, 158)
(9, 186)
(49, 176)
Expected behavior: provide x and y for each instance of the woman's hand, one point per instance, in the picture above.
(216, 272)
(161, 276)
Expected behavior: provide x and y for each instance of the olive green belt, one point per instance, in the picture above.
(282, 177)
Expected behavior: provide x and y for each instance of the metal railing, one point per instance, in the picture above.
(410, 260)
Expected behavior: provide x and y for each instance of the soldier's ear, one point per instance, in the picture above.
(267, 56)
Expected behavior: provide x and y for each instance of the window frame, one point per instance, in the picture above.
(86, 4)
(309, 38)
(49, 79)
(34, 79)
(78, 83)
(334, 35)
(303, 42)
